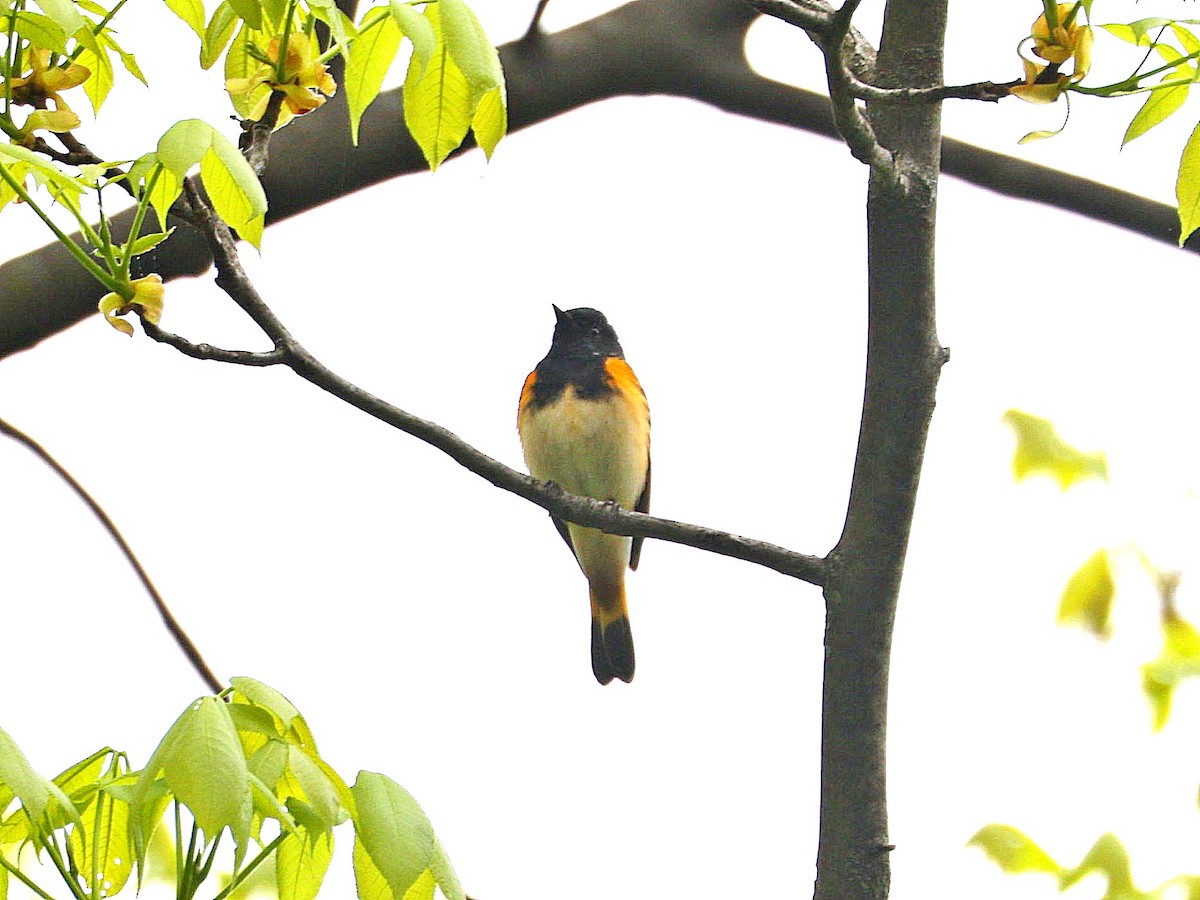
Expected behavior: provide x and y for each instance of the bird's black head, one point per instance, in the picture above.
(583, 332)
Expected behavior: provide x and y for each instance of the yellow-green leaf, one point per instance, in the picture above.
(248, 10)
(371, 55)
(417, 29)
(1088, 597)
(1187, 187)
(469, 47)
(218, 34)
(1041, 451)
(1158, 106)
(301, 863)
(1137, 32)
(192, 12)
(438, 103)
(491, 120)
(39, 30)
(1039, 135)
(1012, 851)
(395, 836)
(64, 13)
(234, 189)
(100, 82)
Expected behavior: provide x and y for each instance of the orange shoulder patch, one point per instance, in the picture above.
(527, 393)
(621, 376)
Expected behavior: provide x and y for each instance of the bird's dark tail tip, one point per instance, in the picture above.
(612, 649)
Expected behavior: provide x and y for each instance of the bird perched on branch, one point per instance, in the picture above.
(585, 425)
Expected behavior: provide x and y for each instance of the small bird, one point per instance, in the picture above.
(585, 425)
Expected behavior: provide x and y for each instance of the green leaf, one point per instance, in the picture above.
(105, 858)
(371, 55)
(240, 64)
(145, 243)
(266, 697)
(65, 15)
(469, 47)
(218, 34)
(167, 185)
(18, 776)
(234, 189)
(1088, 597)
(183, 145)
(192, 12)
(438, 101)
(301, 863)
(1179, 659)
(395, 837)
(1041, 451)
(128, 60)
(491, 120)
(326, 11)
(1187, 187)
(39, 30)
(100, 83)
(1158, 106)
(1137, 32)
(1012, 851)
(249, 11)
(201, 762)
(1187, 40)
(417, 29)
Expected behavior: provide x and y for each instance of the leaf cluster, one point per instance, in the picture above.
(242, 767)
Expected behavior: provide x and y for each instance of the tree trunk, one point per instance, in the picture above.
(903, 362)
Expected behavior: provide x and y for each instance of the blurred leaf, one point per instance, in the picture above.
(1108, 858)
(1088, 597)
(1187, 187)
(437, 99)
(1179, 659)
(1041, 451)
(394, 841)
(1012, 851)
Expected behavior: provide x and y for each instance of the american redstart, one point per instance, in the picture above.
(585, 425)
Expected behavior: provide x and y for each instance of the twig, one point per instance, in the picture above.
(177, 632)
(851, 124)
(535, 24)
(208, 351)
(232, 278)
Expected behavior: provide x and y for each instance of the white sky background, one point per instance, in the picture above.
(435, 629)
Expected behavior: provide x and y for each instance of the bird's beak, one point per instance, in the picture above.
(559, 315)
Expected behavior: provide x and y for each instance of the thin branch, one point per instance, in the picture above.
(181, 638)
(232, 278)
(216, 354)
(985, 91)
(814, 18)
(851, 124)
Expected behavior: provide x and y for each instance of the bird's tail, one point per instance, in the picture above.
(612, 641)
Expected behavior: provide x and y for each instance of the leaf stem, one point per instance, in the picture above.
(93, 268)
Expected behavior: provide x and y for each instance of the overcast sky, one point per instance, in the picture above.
(435, 629)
